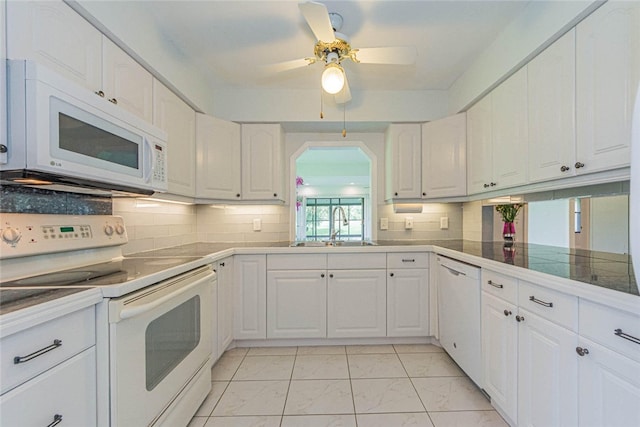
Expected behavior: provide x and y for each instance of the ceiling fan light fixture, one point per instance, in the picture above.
(333, 78)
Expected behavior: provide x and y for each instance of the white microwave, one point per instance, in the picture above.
(62, 133)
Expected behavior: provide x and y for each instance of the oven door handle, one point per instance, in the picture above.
(128, 313)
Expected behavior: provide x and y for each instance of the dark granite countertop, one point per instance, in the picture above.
(603, 269)
(17, 299)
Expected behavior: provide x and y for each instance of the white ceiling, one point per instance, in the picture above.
(230, 40)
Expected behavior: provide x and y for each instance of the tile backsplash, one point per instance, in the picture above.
(234, 223)
(426, 225)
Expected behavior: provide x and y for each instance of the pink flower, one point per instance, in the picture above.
(299, 181)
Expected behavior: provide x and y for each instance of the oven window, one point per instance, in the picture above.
(170, 338)
(82, 138)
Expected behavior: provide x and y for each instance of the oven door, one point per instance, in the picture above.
(160, 337)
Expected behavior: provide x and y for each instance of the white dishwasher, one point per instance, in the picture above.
(459, 314)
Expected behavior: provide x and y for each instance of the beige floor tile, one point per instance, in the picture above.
(317, 397)
(430, 365)
(225, 368)
(416, 419)
(272, 351)
(468, 418)
(217, 388)
(450, 394)
(319, 421)
(375, 366)
(385, 395)
(238, 351)
(253, 398)
(321, 349)
(265, 368)
(325, 367)
(244, 421)
(197, 422)
(417, 348)
(369, 349)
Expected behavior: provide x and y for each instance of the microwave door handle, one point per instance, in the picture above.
(149, 160)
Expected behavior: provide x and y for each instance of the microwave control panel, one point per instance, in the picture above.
(159, 168)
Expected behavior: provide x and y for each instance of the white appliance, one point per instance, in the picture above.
(60, 132)
(459, 314)
(155, 318)
(634, 199)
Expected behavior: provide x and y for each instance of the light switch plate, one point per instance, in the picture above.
(257, 224)
(408, 223)
(384, 223)
(444, 223)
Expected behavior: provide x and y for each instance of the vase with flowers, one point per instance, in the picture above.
(508, 213)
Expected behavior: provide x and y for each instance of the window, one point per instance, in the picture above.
(322, 214)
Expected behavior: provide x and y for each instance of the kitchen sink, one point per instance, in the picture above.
(337, 243)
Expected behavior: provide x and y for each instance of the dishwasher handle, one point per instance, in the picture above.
(452, 271)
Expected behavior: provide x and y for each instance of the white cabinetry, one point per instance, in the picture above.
(356, 295)
(250, 297)
(407, 294)
(224, 305)
(551, 96)
(607, 76)
(444, 154)
(479, 154)
(402, 156)
(217, 158)
(3, 84)
(175, 117)
(262, 162)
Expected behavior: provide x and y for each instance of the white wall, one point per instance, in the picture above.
(609, 224)
(548, 223)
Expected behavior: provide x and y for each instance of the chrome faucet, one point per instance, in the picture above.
(333, 222)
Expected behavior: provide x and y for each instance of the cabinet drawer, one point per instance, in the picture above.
(75, 331)
(297, 262)
(68, 390)
(356, 261)
(499, 285)
(549, 304)
(617, 330)
(408, 260)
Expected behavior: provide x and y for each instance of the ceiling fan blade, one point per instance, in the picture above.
(344, 95)
(286, 65)
(387, 55)
(317, 17)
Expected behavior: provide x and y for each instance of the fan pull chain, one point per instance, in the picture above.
(321, 103)
(344, 120)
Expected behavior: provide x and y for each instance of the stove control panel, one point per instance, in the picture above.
(34, 234)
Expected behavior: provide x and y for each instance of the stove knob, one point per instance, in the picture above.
(108, 230)
(11, 236)
(119, 229)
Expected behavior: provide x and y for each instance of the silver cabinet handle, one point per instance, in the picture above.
(22, 359)
(564, 168)
(520, 318)
(322, 275)
(100, 94)
(113, 101)
(57, 419)
(628, 337)
(582, 351)
(408, 260)
(452, 271)
(537, 301)
(507, 312)
(495, 285)
(579, 165)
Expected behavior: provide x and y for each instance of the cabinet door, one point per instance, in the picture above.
(262, 162)
(547, 373)
(3, 84)
(224, 313)
(54, 35)
(176, 118)
(479, 154)
(408, 303)
(126, 82)
(444, 154)
(500, 353)
(356, 304)
(551, 97)
(403, 169)
(609, 388)
(607, 76)
(297, 304)
(218, 158)
(510, 131)
(250, 297)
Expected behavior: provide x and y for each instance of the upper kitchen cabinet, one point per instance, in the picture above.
(217, 158)
(479, 155)
(403, 145)
(444, 151)
(607, 76)
(175, 117)
(53, 34)
(263, 168)
(551, 97)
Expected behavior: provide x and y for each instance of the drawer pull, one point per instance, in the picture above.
(537, 301)
(495, 285)
(408, 260)
(631, 338)
(23, 359)
(57, 419)
(582, 351)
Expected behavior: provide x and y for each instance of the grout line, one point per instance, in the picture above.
(353, 398)
(286, 398)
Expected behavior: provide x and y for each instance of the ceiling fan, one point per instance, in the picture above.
(333, 47)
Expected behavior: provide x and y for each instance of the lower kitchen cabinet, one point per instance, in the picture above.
(547, 373)
(356, 303)
(250, 297)
(408, 302)
(297, 304)
(224, 305)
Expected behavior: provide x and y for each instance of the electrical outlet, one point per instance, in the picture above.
(257, 224)
(384, 223)
(444, 223)
(408, 223)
